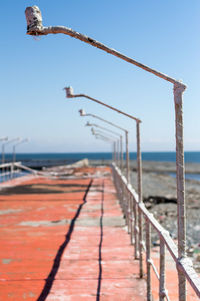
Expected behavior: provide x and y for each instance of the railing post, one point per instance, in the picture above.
(136, 228)
(122, 198)
(139, 176)
(180, 180)
(127, 160)
(3, 161)
(118, 153)
(129, 211)
(115, 153)
(121, 151)
(116, 157)
(139, 163)
(126, 206)
(113, 149)
(128, 181)
(12, 170)
(125, 202)
(131, 218)
(162, 292)
(148, 258)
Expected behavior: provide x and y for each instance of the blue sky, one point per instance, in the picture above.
(161, 34)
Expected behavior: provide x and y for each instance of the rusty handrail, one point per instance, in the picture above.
(184, 264)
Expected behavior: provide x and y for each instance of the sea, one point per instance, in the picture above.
(72, 157)
(38, 160)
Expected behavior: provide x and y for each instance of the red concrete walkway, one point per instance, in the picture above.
(66, 240)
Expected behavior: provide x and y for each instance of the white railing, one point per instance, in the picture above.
(132, 209)
(9, 171)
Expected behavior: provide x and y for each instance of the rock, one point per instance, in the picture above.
(197, 258)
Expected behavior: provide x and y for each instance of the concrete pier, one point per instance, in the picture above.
(66, 240)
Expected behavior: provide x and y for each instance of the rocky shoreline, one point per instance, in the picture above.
(159, 193)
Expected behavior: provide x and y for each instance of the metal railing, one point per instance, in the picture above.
(132, 209)
(9, 171)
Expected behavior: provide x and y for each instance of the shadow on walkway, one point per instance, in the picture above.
(100, 245)
(55, 267)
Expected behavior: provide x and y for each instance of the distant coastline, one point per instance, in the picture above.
(190, 156)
